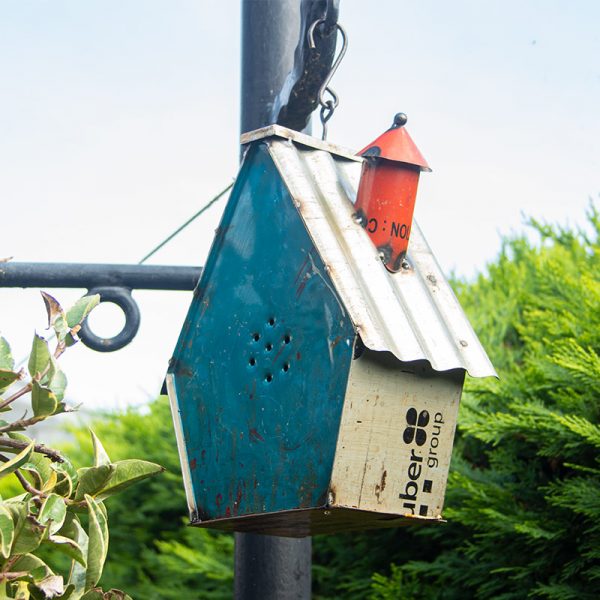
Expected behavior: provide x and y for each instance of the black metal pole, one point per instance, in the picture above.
(272, 568)
(270, 32)
(268, 567)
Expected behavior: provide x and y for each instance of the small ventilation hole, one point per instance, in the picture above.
(286, 367)
(268, 346)
(271, 321)
(287, 339)
(268, 378)
(256, 337)
(252, 361)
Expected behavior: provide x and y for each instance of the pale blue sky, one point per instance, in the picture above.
(118, 119)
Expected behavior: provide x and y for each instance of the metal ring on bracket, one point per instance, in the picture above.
(123, 299)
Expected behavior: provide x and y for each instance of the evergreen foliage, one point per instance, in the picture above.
(523, 500)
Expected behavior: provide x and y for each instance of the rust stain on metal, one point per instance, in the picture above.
(432, 279)
(307, 270)
(221, 231)
(281, 349)
(302, 277)
(336, 341)
(238, 500)
(380, 486)
(185, 372)
(193, 464)
(205, 302)
(234, 440)
(254, 435)
(302, 285)
(301, 270)
(307, 487)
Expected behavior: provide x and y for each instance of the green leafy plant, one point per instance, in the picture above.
(155, 554)
(61, 509)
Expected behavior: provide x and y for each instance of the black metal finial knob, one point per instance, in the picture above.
(400, 120)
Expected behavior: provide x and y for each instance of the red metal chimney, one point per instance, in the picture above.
(387, 191)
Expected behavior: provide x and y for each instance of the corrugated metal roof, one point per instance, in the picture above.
(414, 313)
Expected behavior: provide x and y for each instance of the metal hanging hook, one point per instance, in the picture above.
(328, 106)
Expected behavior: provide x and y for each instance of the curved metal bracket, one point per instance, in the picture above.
(123, 299)
(299, 96)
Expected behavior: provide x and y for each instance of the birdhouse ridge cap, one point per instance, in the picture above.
(297, 137)
(396, 145)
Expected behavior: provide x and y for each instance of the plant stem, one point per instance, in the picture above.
(60, 348)
(24, 390)
(13, 575)
(10, 562)
(21, 424)
(27, 486)
(53, 455)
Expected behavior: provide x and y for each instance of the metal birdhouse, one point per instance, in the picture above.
(312, 389)
(387, 191)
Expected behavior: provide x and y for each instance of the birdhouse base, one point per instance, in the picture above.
(304, 522)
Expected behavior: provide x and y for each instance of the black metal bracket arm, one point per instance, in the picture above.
(114, 283)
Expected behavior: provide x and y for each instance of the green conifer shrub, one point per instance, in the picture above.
(523, 502)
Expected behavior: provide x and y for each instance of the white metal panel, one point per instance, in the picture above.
(181, 447)
(414, 313)
(381, 464)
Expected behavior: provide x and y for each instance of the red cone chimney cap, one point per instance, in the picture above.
(395, 144)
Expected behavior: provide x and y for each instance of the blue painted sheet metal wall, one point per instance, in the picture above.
(262, 362)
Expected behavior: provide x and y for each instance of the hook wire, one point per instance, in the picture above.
(328, 106)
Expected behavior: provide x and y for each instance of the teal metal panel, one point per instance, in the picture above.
(261, 366)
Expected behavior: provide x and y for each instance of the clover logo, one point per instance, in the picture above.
(416, 423)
